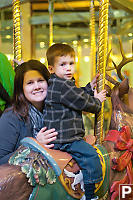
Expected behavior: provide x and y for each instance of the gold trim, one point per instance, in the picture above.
(16, 29)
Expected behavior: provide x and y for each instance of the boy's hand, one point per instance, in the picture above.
(93, 83)
(101, 95)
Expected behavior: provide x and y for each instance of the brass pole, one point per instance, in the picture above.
(16, 30)
(78, 62)
(101, 63)
(93, 40)
(51, 11)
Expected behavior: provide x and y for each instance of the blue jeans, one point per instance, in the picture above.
(86, 157)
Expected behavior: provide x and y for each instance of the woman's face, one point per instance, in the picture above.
(34, 87)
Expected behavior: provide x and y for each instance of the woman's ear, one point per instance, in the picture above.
(51, 69)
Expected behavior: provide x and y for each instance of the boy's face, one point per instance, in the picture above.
(64, 67)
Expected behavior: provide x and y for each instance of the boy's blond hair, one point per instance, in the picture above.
(58, 50)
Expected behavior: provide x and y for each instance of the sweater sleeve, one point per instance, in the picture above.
(9, 134)
(88, 89)
(78, 99)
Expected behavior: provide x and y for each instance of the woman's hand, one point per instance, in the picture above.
(45, 136)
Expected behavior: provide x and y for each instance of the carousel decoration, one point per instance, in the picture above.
(51, 11)
(93, 40)
(101, 62)
(79, 51)
(16, 29)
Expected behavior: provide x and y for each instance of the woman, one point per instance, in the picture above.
(25, 117)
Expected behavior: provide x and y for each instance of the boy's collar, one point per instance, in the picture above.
(54, 75)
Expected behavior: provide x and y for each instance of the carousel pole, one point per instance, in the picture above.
(93, 40)
(77, 75)
(51, 11)
(101, 62)
(16, 30)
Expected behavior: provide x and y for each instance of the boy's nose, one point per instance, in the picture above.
(68, 67)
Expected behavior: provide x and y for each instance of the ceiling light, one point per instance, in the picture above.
(76, 59)
(10, 56)
(42, 45)
(42, 60)
(86, 40)
(8, 27)
(130, 34)
(75, 42)
(8, 36)
(86, 58)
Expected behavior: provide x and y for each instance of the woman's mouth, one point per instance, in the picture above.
(38, 92)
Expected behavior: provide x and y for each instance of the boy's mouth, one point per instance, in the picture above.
(69, 75)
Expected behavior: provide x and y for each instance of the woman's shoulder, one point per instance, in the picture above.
(10, 115)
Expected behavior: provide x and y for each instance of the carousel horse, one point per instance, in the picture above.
(59, 175)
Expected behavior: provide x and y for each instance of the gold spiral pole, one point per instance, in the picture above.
(93, 40)
(101, 63)
(78, 63)
(16, 30)
(51, 11)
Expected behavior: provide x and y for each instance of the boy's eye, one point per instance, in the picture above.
(71, 63)
(62, 64)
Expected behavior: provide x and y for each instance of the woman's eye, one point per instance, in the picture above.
(41, 80)
(30, 82)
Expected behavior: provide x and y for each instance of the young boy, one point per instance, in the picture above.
(64, 105)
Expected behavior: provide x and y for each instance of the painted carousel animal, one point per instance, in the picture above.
(6, 82)
(59, 175)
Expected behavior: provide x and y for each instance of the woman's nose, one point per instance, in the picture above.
(36, 85)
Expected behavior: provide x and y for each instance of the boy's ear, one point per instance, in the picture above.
(51, 69)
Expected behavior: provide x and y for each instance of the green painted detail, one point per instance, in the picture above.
(32, 165)
(103, 190)
(50, 192)
(19, 157)
(6, 77)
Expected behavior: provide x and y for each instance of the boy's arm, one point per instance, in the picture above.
(88, 89)
(78, 99)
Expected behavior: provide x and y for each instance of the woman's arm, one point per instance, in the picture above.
(12, 130)
(9, 136)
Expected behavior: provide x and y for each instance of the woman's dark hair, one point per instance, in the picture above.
(20, 103)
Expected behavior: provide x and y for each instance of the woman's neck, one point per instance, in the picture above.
(39, 106)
